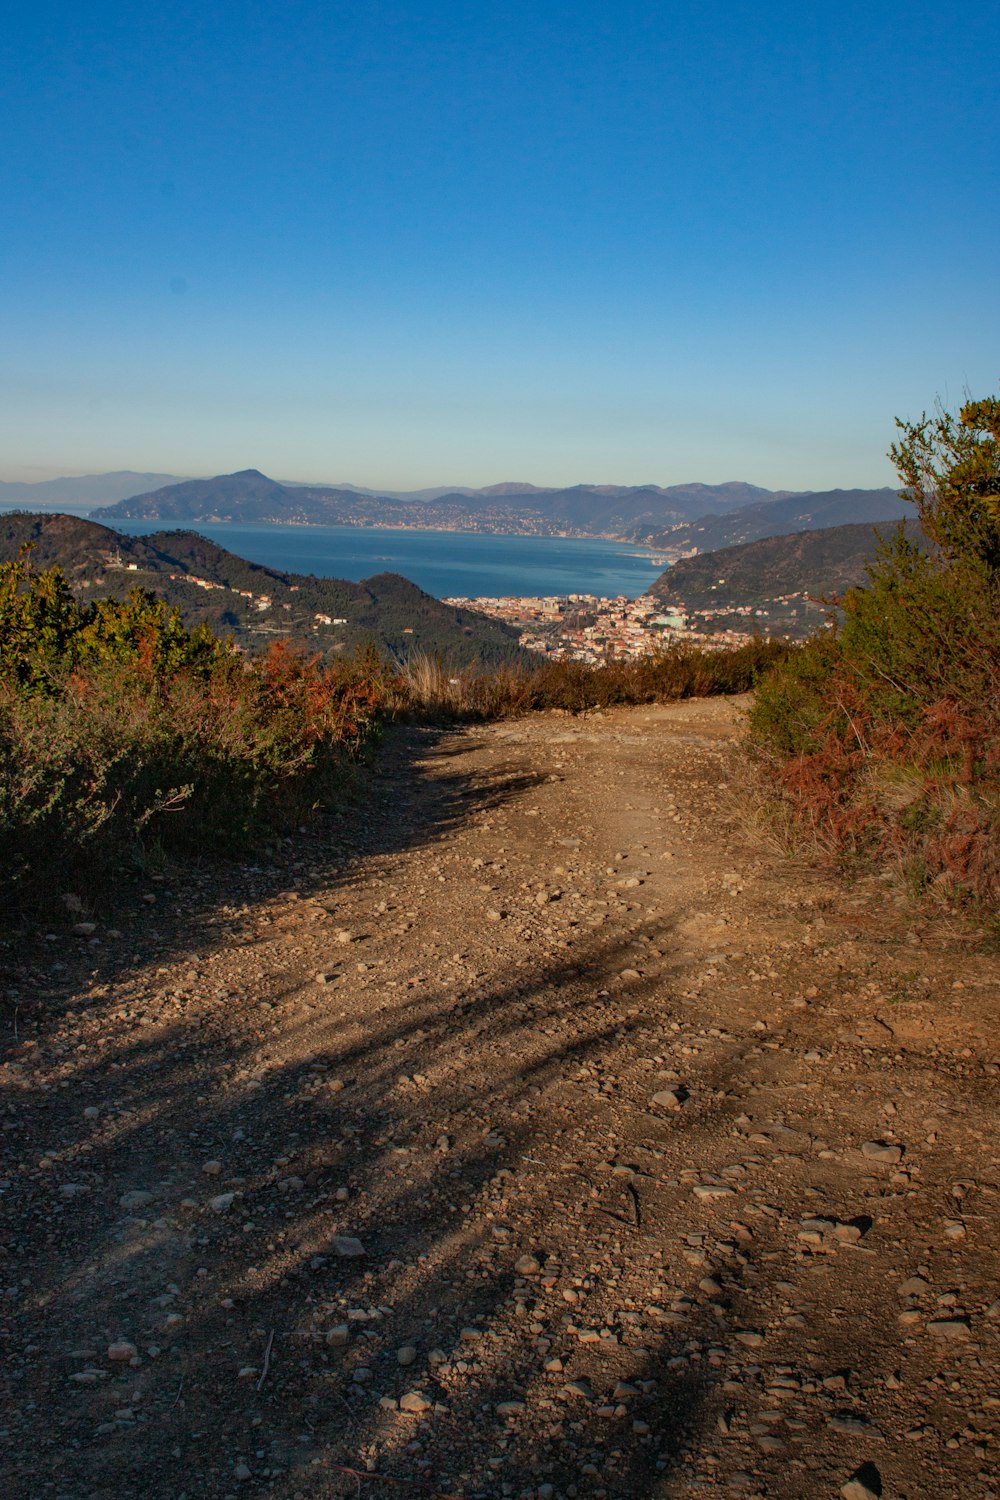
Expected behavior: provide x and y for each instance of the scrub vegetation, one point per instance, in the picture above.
(885, 735)
(123, 733)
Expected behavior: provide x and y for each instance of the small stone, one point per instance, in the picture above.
(949, 1328)
(856, 1426)
(84, 929)
(864, 1484)
(709, 1190)
(883, 1152)
(415, 1402)
(527, 1265)
(222, 1203)
(242, 1471)
(749, 1338)
(789, 1140)
(344, 937)
(509, 1408)
(212, 1168)
(338, 1336)
(668, 1099)
(135, 1199)
(407, 1355)
(122, 1353)
(347, 1247)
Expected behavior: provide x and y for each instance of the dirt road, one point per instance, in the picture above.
(527, 1132)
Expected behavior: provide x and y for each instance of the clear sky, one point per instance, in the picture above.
(404, 243)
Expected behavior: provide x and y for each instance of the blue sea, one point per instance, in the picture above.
(469, 565)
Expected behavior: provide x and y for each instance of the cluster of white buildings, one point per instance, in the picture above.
(584, 627)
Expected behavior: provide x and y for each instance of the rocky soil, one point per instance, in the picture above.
(526, 1132)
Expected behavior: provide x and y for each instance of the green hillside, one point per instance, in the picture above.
(256, 604)
(782, 575)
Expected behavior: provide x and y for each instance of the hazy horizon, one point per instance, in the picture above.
(29, 475)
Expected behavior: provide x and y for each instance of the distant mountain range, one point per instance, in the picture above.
(78, 492)
(254, 604)
(607, 510)
(677, 518)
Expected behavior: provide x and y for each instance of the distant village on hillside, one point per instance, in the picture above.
(586, 628)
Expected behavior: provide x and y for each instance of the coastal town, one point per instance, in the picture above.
(582, 627)
(586, 628)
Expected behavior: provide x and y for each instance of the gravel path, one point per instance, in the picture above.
(527, 1132)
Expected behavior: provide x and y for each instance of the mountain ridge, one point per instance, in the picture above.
(810, 510)
(79, 491)
(625, 512)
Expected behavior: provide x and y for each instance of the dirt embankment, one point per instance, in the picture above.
(526, 1133)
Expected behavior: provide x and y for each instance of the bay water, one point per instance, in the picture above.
(447, 564)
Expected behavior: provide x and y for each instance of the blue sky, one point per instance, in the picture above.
(405, 244)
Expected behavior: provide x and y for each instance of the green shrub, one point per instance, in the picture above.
(120, 728)
(791, 711)
(886, 738)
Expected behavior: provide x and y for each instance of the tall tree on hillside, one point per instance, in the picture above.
(951, 469)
